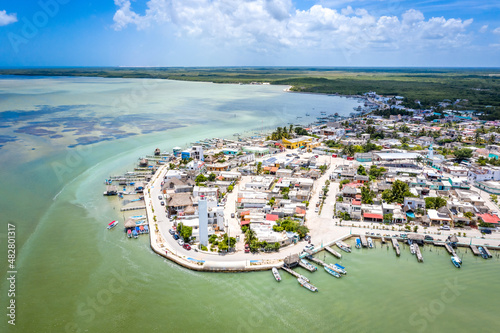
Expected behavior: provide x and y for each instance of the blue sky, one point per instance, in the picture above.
(459, 33)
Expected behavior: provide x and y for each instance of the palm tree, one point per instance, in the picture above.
(419, 159)
(249, 236)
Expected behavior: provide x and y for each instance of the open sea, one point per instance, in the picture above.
(61, 137)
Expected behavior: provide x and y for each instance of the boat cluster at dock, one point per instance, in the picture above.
(134, 226)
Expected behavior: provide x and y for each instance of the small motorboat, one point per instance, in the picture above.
(141, 229)
(309, 266)
(370, 242)
(455, 262)
(138, 230)
(129, 233)
(276, 274)
(134, 233)
(306, 284)
(332, 272)
(358, 243)
(112, 224)
(146, 229)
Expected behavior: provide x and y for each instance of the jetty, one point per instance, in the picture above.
(363, 240)
(395, 245)
(294, 273)
(418, 253)
(124, 209)
(474, 250)
(383, 240)
(487, 252)
(316, 260)
(447, 247)
(332, 251)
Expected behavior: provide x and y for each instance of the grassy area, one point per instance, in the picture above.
(480, 86)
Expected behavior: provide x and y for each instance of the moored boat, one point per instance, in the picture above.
(146, 229)
(276, 274)
(129, 233)
(343, 246)
(134, 233)
(457, 258)
(358, 243)
(141, 229)
(306, 285)
(455, 262)
(483, 252)
(412, 249)
(310, 266)
(112, 224)
(329, 270)
(370, 242)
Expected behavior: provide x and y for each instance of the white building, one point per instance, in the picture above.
(203, 217)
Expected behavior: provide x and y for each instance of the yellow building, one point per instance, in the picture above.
(301, 142)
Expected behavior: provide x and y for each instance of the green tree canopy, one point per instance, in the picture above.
(397, 193)
(463, 154)
(434, 202)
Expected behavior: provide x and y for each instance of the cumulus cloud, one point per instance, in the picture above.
(264, 24)
(483, 29)
(497, 31)
(7, 18)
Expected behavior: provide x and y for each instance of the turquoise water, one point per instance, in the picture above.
(76, 276)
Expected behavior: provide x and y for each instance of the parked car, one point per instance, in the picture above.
(427, 237)
(162, 203)
(181, 242)
(160, 197)
(445, 227)
(176, 237)
(232, 215)
(316, 210)
(247, 248)
(309, 247)
(187, 246)
(307, 238)
(171, 231)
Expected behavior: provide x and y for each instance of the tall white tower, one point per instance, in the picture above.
(430, 154)
(203, 217)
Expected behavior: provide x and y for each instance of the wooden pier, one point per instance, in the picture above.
(294, 273)
(363, 240)
(474, 250)
(449, 249)
(395, 245)
(316, 260)
(418, 253)
(487, 252)
(124, 209)
(332, 251)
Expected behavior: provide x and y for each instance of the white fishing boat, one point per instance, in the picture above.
(343, 246)
(329, 270)
(276, 274)
(306, 285)
(370, 242)
(455, 262)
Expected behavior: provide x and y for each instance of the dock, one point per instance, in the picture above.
(364, 243)
(487, 252)
(395, 245)
(449, 249)
(474, 250)
(383, 240)
(316, 260)
(124, 209)
(332, 251)
(419, 254)
(293, 273)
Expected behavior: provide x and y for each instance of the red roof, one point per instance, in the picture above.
(356, 202)
(373, 216)
(272, 217)
(489, 218)
(245, 213)
(244, 222)
(299, 210)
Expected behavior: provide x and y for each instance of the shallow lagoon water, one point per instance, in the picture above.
(76, 276)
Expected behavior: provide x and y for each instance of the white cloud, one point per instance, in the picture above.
(497, 31)
(270, 24)
(483, 29)
(7, 18)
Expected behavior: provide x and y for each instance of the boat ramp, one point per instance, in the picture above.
(418, 253)
(395, 245)
(364, 243)
(474, 250)
(294, 273)
(332, 251)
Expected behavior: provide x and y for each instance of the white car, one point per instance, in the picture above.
(180, 241)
